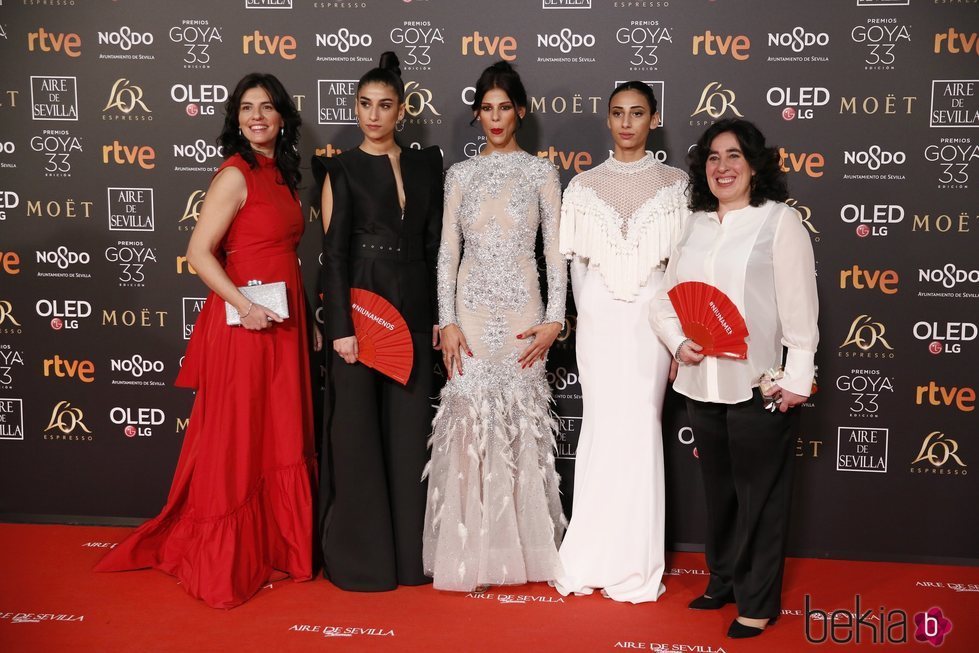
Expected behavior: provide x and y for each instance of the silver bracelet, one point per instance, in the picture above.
(676, 354)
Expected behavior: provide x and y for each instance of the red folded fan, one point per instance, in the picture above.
(382, 335)
(710, 318)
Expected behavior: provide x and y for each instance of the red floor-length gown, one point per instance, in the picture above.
(240, 505)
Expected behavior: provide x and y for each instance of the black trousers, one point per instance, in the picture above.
(374, 450)
(746, 459)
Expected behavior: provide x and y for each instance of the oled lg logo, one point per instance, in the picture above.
(342, 42)
(199, 99)
(798, 103)
(138, 422)
(945, 338)
(873, 219)
(64, 314)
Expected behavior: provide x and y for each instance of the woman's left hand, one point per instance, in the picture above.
(786, 398)
(317, 338)
(436, 338)
(544, 336)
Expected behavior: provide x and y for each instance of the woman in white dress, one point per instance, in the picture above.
(620, 221)
(494, 515)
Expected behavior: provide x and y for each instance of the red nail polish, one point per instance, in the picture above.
(519, 336)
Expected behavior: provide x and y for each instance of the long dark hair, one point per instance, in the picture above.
(500, 75)
(768, 182)
(640, 87)
(388, 72)
(233, 142)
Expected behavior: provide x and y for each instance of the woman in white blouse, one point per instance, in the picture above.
(745, 241)
(619, 222)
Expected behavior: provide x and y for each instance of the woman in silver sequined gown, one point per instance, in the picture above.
(493, 515)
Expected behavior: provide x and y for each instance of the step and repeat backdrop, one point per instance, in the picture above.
(108, 118)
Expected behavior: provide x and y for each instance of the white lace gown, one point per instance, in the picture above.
(494, 514)
(619, 224)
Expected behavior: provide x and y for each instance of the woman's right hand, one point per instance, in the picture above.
(347, 348)
(453, 345)
(258, 317)
(687, 353)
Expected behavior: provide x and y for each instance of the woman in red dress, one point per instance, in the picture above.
(240, 507)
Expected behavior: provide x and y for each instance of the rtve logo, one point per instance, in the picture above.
(83, 370)
(258, 43)
(577, 161)
(711, 44)
(46, 41)
(963, 398)
(504, 47)
(141, 155)
(10, 263)
(810, 163)
(886, 281)
(956, 42)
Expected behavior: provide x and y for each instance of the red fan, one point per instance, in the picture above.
(710, 319)
(382, 335)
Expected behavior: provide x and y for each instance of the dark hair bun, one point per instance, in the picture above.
(502, 67)
(389, 61)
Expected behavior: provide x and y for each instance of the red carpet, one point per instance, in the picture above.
(50, 601)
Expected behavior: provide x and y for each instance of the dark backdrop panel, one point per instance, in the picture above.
(108, 114)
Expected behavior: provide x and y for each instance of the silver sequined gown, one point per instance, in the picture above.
(494, 515)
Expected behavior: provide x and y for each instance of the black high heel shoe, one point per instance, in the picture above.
(738, 630)
(710, 602)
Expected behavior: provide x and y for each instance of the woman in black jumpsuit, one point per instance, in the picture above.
(382, 217)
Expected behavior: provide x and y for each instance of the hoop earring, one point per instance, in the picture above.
(400, 125)
(282, 131)
(239, 133)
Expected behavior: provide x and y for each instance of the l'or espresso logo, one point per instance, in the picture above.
(126, 39)
(962, 398)
(872, 219)
(118, 153)
(280, 45)
(881, 40)
(9, 325)
(196, 37)
(866, 339)
(67, 423)
(954, 41)
(863, 279)
(937, 451)
(715, 103)
(199, 99)
(192, 211)
(420, 41)
(138, 422)
(54, 98)
(482, 45)
(10, 359)
(131, 257)
(710, 44)
(192, 307)
(420, 106)
(11, 419)
(952, 158)
(954, 103)
(646, 41)
(798, 102)
(798, 45)
(67, 263)
(126, 102)
(56, 146)
(873, 105)
(136, 370)
(345, 45)
(131, 209)
(945, 337)
(57, 42)
(860, 449)
(336, 100)
(140, 318)
(865, 387)
(68, 368)
(566, 46)
(870, 161)
(805, 216)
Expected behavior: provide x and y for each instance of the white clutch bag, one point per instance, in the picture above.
(270, 295)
